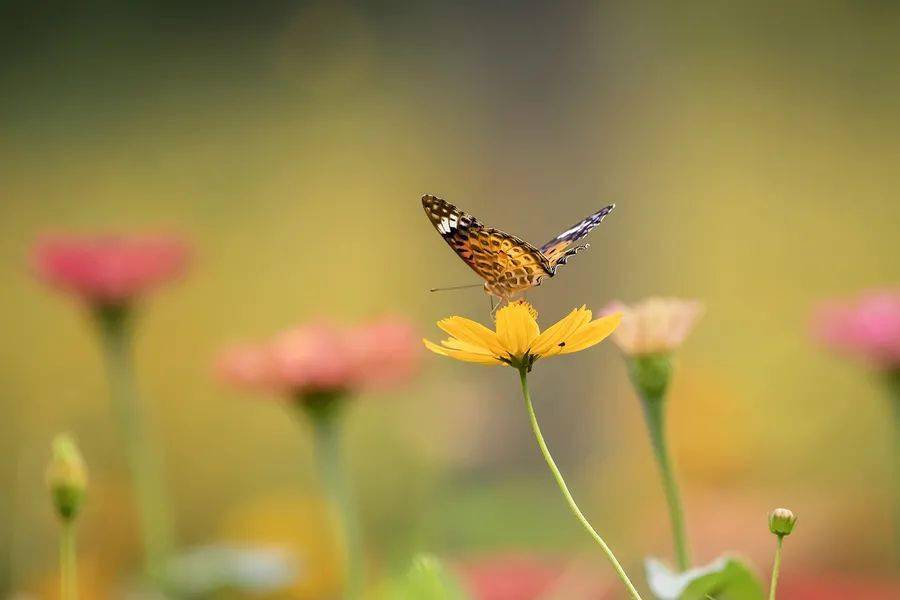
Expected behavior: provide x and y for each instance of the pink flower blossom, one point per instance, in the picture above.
(832, 586)
(654, 325)
(867, 327)
(108, 270)
(524, 577)
(322, 356)
(386, 351)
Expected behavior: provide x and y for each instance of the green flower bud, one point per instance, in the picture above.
(66, 477)
(650, 374)
(781, 521)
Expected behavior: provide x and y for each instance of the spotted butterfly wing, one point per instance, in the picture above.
(557, 251)
(507, 264)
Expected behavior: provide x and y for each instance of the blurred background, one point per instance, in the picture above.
(751, 148)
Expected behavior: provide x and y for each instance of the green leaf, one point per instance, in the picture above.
(427, 579)
(726, 578)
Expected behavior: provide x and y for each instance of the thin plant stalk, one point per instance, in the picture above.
(324, 411)
(654, 414)
(142, 454)
(893, 384)
(776, 567)
(68, 570)
(560, 482)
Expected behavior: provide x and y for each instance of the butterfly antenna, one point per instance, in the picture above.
(456, 287)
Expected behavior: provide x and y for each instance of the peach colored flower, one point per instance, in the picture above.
(108, 270)
(867, 327)
(654, 325)
(322, 356)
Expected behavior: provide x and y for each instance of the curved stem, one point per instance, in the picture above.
(776, 567)
(324, 413)
(68, 578)
(654, 413)
(620, 572)
(142, 453)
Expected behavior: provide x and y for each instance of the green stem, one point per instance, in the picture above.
(654, 414)
(620, 572)
(68, 576)
(153, 516)
(776, 567)
(324, 411)
(893, 380)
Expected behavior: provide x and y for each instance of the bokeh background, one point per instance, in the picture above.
(751, 148)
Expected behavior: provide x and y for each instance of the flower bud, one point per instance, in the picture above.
(650, 374)
(781, 521)
(66, 477)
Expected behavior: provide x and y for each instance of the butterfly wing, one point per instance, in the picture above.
(557, 251)
(507, 263)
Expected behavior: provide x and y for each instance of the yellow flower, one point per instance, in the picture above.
(518, 341)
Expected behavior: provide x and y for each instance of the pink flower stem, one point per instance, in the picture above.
(324, 411)
(893, 384)
(143, 457)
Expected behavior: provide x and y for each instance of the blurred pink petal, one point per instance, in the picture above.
(322, 356)
(387, 352)
(654, 325)
(524, 577)
(108, 270)
(831, 586)
(245, 366)
(867, 327)
(313, 357)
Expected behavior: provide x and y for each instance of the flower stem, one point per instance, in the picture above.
(776, 567)
(68, 576)
(620, 572)
(324, 411)
(153, 516)
(893, 380)
(654, 414)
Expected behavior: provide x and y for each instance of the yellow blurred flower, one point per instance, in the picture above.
(518, 341)
(301, 525)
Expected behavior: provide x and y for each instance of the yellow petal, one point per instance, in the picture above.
(484, 359)
(517, 328)
(473, 333)
(547, 344)
(592, 333)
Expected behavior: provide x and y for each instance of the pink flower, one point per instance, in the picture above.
(245, 366)
(654, 325)
(314, 357)
(867, 327)
(831, 586)
(322, 356)
(387, 351)
(523, 577)
(109, 270)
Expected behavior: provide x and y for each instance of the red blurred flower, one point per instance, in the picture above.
(108, 270)
(325, 357)
(867, 327)
(830, 586)
(523, 577)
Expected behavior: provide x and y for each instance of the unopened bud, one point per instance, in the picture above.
(781, 521)
(66, 477)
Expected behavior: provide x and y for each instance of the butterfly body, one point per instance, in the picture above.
(509, 265)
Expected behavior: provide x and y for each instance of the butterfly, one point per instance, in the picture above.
(509, 265)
